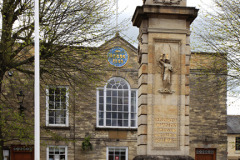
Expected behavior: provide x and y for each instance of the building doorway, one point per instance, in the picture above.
(21, 152)
(205, 154)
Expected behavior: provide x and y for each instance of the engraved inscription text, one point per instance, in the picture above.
(165, 132)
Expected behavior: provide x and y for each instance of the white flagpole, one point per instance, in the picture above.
(117, 15)
(36, 86)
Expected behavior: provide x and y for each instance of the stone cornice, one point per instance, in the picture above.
(170, 31)
(146, 11)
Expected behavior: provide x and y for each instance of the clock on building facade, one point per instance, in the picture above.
(117, 56)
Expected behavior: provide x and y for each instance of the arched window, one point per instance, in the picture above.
(117, 104)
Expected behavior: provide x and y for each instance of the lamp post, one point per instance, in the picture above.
(20, 97)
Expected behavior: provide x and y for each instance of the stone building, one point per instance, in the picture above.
(151, 104)
(112, 127)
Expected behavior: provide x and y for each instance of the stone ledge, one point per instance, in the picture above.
(114, 129)
(57, 128)
(144, 12)
(163, 158)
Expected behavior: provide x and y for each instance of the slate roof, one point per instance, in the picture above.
(117, 37)
(233, 124)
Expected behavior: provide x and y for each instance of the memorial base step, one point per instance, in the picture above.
(163, 158)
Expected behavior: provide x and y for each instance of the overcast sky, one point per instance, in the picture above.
(129, 7)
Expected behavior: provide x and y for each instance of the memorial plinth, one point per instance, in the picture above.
(163, 55)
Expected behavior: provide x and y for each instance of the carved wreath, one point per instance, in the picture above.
(168, 1)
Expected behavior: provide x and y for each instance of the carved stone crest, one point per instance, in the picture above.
(167, 1)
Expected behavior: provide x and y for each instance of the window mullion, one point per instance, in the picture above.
(129, 107)
(107, 153)
(114, 150)
(47, 107)
(104, 106)
(136, 107)
(54, 103)
(67, 106)
(97, 107)
(126, 153)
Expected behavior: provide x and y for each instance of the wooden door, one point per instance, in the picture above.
(23, 156)
(205, 154)
(21, 152)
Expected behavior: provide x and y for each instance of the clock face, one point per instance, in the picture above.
(117, 56)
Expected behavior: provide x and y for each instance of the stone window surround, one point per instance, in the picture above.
(47, 107)
(66, 151)
(126, 151)
(129, 108)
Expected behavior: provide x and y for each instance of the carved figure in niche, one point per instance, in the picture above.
(166, 77)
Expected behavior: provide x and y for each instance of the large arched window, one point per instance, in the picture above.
(117, 104)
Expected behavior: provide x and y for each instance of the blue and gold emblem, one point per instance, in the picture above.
(117, 56)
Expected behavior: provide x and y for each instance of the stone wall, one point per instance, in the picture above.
(82, 112)
(208, 115)
(207, 112)
(82, 116)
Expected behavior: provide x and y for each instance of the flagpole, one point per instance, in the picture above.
(117, 16)
(36, 86)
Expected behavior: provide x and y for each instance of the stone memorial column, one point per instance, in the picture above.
(163, 55)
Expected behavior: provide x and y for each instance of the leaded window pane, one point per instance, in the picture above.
(115, 100)
(108, 122)
(114, 93)
(101, 107)
(120, 107)
(109, 93)
(109, 107)
(57, 153)
(126, 108)
(116, 153)
(101, 100)
(133, 123)
(57, 108)
(101, 114)
(100, 122)
(114, 115)
(237, 143)
(109, 115)
(101, 93)
(204, 151)
(114, 107)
